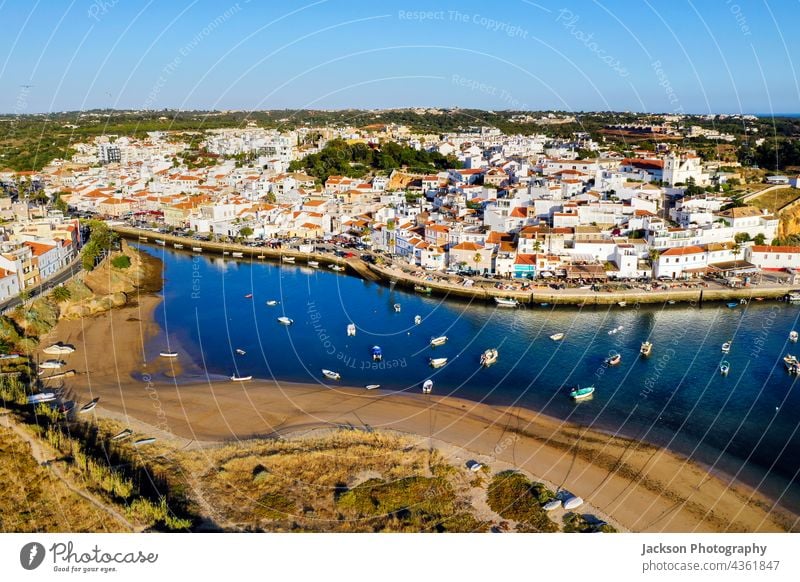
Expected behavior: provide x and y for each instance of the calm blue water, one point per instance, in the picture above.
(676, 397)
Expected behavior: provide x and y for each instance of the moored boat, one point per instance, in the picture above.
(726, 347)
(122, 435)
(240, 351)
(160, 242)
(372, 386)
(197, 249)
(89, 406)
(377, 353)
(732, 304)
(417, 319)
(168, 354)
(351, 329)
(791, 363)
(330, 374)
(52, 364)
(144, 441)
(236, 378)
(427, 387)
(557, 337)
(421, 289)
(313, 264)
(397, 308)
(41, 397)
(622, 303)
(439, 341)
(437, 362)
(506, 301)
(614, 358)
(724, 367)
(272, 303)
(237, 255)
(283, 320)
(793, 336)
(552, 504)
(178, 245)
(337, 268)
(579, 393)
(572, 502)
(248, 296)
(489, 357)
(288, 259)
(646, 348)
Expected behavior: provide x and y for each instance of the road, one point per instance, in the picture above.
(63, 275)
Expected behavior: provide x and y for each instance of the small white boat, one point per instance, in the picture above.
(670, 302)
(726, 347)
(41, 397)
(160, 242)
(427, 387)
(58, 349)
(397, 308)
(791, 363)
(122, 435)
(506, 302)
(557, 337)
(240, 351)
(439, 341)
(168, 354)
(724, 368)
(646, 349)
(283, 320)
(572, 503)
(197, 249)
(237, 255)
(331, 374)
(622, 303)
(437, 362)
(417, 319)
(248, 296)
(351, 329)
(612, 331)
(288, 259)
(337, 268)
(613, 359)
(52, 364)
(272, 303)
(241, 378)
(372, 386)
(89, 407)
(377, 353)
(552, 504)
(313, 264)
(489, 357)
(579, 393)
(144, 441)
(793, 336)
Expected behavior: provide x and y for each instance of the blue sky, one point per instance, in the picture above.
(679, 56)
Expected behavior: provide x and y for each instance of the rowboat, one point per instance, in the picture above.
(351, 329)
(372, 386)
(613, 359)
(122, 435)
(168, 354)
(572, 503)
(506, 301)
(437, 362)
(557, 337)
(489, 357)
(283, 320)
(144, 441)
(58, 349)
(724, 367)
(646, 348)
(438, 341)
(579, 393)
(52, 364)
(552, 504)
(331, 374)
(89, 406)
(241, 378)
(288, 259)
(313, 264)
(41, 397)
(427, 386)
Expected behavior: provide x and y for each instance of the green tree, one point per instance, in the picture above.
(61, 294)
(477, 260)
(246, 231)
(59, 204)
(759, 239)
(741, 237)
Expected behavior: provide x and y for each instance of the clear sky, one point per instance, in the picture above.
(697, 56)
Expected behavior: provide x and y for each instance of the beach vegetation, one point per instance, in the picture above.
(121, 262)
(514, 497)
(61, 294)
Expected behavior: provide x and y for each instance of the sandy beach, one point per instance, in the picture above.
(634, 485)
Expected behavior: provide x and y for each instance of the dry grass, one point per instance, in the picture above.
(776, 199)
(34, 500)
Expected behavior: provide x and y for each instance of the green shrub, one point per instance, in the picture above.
(121, 262)
(513, 496)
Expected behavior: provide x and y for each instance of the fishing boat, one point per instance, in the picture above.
(236, 378)
(724, 368)
(489, 357)
(726, 347)
(58, 349)
(579, 393)
(417, 319)
(41, 397)
(168, 354)
(437, 362)
(337, 268)
(52, 364)
(646, 348)
(351, 329)
(313, 264)
(240, 351)
(283, 320)
(89, 406)
(377, 353)
(288, 259)
(144, 441)
(421, 289)
(438, 341)
(397, 308)
(427, 387)
(732, 304)
(272, 303)
(122, 435)
(506, 301)
(248, 296)
(557, 337)
(331, 374)
(237, 255)
(372, 386)
(614, 358)
(793, 336)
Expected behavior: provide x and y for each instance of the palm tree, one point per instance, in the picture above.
(477, 260)
(654, 255)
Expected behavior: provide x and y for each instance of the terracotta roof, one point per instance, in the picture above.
(680, 251)
(774, 249)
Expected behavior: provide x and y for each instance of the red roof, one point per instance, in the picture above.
(774, 249)
(679, 251)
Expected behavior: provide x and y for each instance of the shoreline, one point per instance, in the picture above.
(639, 486)
(387, 275)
